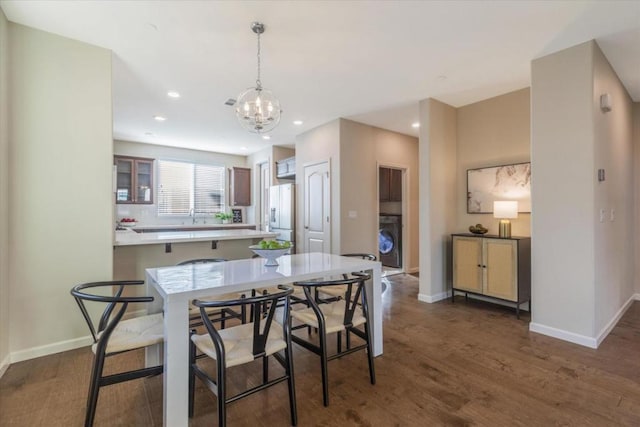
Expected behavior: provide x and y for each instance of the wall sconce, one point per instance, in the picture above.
(505, 210)
(605, 102)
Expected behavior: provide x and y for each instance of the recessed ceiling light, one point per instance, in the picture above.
(415, 125)
(160, 118)
(173, 94)
(243, 148)
(149, 133)
(297, 122)
(266, 137)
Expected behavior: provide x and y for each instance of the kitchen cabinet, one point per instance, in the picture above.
(493, 267)
(286, 168)
(134, 180)
(240, 186)
(390, 185)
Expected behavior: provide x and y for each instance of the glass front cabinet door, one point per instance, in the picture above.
(134, 180)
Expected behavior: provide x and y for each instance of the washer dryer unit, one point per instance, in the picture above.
(390, 240)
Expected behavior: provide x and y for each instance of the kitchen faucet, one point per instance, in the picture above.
(192, 214)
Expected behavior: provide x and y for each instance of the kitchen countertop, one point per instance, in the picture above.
(131, 238)
(188, 226)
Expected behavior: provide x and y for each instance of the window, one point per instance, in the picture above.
(185, 186)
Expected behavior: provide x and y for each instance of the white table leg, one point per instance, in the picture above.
(176, 363)
(153, 354)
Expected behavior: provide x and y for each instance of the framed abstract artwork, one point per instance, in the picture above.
(505, 182)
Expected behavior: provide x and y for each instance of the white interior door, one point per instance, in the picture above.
(317, 203)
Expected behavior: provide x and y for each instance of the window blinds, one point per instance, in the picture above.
(185, 186)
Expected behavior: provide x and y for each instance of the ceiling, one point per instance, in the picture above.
(369, 61)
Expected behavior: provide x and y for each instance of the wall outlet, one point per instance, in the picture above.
(613, 214)
(353, 214)
(602, 215)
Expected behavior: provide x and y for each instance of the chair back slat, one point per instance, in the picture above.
(352, 303)
(264, 309)
(107, 312)
(87, 318)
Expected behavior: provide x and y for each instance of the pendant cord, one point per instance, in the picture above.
(258, 82)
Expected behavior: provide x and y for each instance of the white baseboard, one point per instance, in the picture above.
(4, 365)
(45, 350)
(434, 298)
(591, 342)
(614, 321)
(57, 347)
(563, 335)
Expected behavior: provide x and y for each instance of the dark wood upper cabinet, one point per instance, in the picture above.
(390, 185)
(240, 186)
(134, 180)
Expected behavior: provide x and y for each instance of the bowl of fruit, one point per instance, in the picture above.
(271, 250)
(128, 222)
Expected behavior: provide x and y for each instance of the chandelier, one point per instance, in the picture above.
(257, 109)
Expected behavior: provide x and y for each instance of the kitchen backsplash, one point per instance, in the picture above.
(148, 215)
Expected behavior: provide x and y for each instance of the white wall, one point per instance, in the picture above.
(492, 132)
(60, 208)
(613, 151)
(438, 201)
(362, 149)
(4, 195)
(576, 293)
(318, 145)
(148, 214)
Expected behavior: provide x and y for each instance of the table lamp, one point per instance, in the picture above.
(505, 210)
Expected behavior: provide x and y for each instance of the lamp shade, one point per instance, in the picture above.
(505, 209)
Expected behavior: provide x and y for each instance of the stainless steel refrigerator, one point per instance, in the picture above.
(282, 212)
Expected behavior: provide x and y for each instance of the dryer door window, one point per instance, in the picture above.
(386, 242)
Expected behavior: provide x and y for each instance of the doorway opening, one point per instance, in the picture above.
(265, 183)
(391, 208)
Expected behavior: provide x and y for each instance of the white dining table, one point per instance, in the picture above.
(175, 287)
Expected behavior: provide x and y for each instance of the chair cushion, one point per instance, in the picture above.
(238, 343)
(333, 315)
(335, 291)
(135, 333)
(195, 311)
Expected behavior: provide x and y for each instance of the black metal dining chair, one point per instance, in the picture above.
(260, 338)
(345, 314)
(217, 314)
(338, 291)
(115, 336)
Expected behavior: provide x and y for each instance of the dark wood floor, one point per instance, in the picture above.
(468, 363)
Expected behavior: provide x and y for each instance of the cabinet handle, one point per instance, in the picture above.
(479, 265)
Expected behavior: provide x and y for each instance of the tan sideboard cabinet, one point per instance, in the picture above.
(493, 267)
